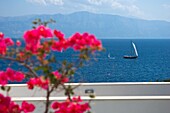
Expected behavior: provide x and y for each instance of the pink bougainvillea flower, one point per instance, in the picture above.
(74, 39)
(10, 74)
(64, 80)
(60, 45)
(60, 107)
(3, 78)
(1, 35)
(33, 48)
(31, 83)
(55, 105)
(9, 42)
(59, 76)
(66, 44)
(14, 75)
(78, 47)
(19, 76)
(56, 46)
(77, 99)
(3, 47)
(4, 103)
(32, 38)
(27, 107)
(18, 43)
(40, 82)
(14, 108)
(46, 46)
(80, 41)
(4, 42)
(22, 56)
(74, 106)
(8, 106)
(78, 108)
(94, 42)
(85, 107)
(44, 31)
(5, 100)
(43, 83)
(59, 35)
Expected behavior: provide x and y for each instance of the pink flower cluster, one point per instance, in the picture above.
(18, 43)
(10, 75)
(43, 83)
(80, 41)
(61, 44)
(40, 82)
(74, 106)
(32, 37)
(8, 106)
(40, 48)
(27, 107)
(59, 76)
(77, 42)
(4, 43)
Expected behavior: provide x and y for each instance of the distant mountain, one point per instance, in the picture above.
(102, 25)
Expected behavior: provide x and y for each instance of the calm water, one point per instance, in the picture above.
(152, 64)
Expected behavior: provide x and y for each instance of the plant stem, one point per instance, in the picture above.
(67, 92)
(24, 64)
(47, 104)
(47, 101)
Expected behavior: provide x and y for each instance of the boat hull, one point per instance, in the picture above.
(130, 57)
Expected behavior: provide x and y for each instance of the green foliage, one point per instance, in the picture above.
(69, 90)
(38, 22)
(6, 88)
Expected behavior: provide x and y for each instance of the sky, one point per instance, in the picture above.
(143, 9)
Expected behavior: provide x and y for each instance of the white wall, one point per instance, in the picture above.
(110, 97)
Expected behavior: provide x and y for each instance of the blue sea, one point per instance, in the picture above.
(153, 63)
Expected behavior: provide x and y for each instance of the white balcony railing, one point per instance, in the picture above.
(140, 97)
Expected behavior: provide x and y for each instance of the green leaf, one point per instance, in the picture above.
(8, 88)
(35, 22)
(3, 88)
(81, 64)
(64, 62)
(38, 68)
(89, 112)
(71, 72)
(72, 93)
(52, 59)
(33, 27)
(92, 96)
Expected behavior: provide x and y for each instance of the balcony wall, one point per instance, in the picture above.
(141, 97)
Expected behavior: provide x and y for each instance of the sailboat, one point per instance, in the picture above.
(132, 56)
(110, 56)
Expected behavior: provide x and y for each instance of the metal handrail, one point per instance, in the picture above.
(103, 83)
(97, 98)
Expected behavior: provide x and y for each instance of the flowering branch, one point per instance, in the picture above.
(40, 43)
(21, 62)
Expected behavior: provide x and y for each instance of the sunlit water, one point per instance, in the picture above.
(152, 64)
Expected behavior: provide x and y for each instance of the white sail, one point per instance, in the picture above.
(110, 56)
(136, 52)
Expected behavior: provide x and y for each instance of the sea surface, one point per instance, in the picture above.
(153, 63)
